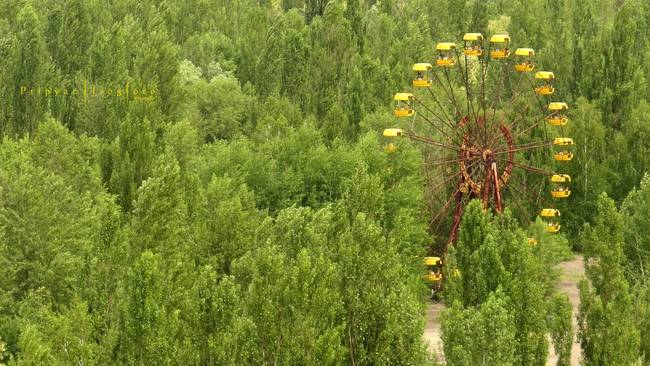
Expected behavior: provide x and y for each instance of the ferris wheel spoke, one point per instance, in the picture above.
(485, 65)
(491, 145)
(443, 209)
(494, 137)
(429, 141)
(536, 123)
(524, 147)
(449, 93)
(468, 93)
(449, 123)
(457, 107)
(521, 116)
(433, 124)
(534, 198)
(441, 162)
(541, 103)
(428, 179)
(435, 197)
(524, 212)
(529, 168)
(455, 130)
(434, 189)
(518, 90)
(497, 99)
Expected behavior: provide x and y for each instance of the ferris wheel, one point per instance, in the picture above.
(489, 128)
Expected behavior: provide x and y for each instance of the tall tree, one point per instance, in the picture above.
(636, 247)
(31, 71)
(608, 331)
(492, 255)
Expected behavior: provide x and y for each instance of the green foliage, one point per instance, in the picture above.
(246, 214)
(608, 331)
(479, 336)
(30, 70)
(641, 295)
(492, 256)
(637, 250)
(560, 324)
(636, 247)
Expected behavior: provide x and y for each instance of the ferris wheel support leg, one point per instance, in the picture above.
(497, 190)
(458, 213)
(486, 191)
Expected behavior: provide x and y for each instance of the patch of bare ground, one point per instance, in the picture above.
(571, 273)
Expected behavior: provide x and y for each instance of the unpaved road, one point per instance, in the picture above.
(572, 272)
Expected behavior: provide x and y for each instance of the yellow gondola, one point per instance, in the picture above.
(446, 57)
(499, 44)
(473, 44)
(403, 107)
(434, 273)
(524, 62)
(532, 242)
(550, 216)
(393, 132)
(423, 75)
(547, 87)
(560, 185)
(564, 145)
(553, 227)
(558, 117)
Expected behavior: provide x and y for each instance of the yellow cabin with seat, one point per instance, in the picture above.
(553, 227)
(558, 114)
(434, 270)
(550, 216)
(546, 79)
(473, 44)
(403, 107)
(422, 75)
(524, 61)
(563, 146)
(560, 185)
(499, 46)
(446, 54)
(393, 132)
(549, 212)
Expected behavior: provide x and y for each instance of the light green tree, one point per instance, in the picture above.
(479, 336)
(560, 324)
(608, 331)
(31, 70)
(491, 254)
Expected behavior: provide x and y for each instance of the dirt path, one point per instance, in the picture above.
(432, 334)
(572, 272)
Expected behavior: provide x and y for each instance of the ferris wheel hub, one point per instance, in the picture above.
(487, 155)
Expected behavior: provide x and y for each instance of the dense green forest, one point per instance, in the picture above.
(204, 182)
